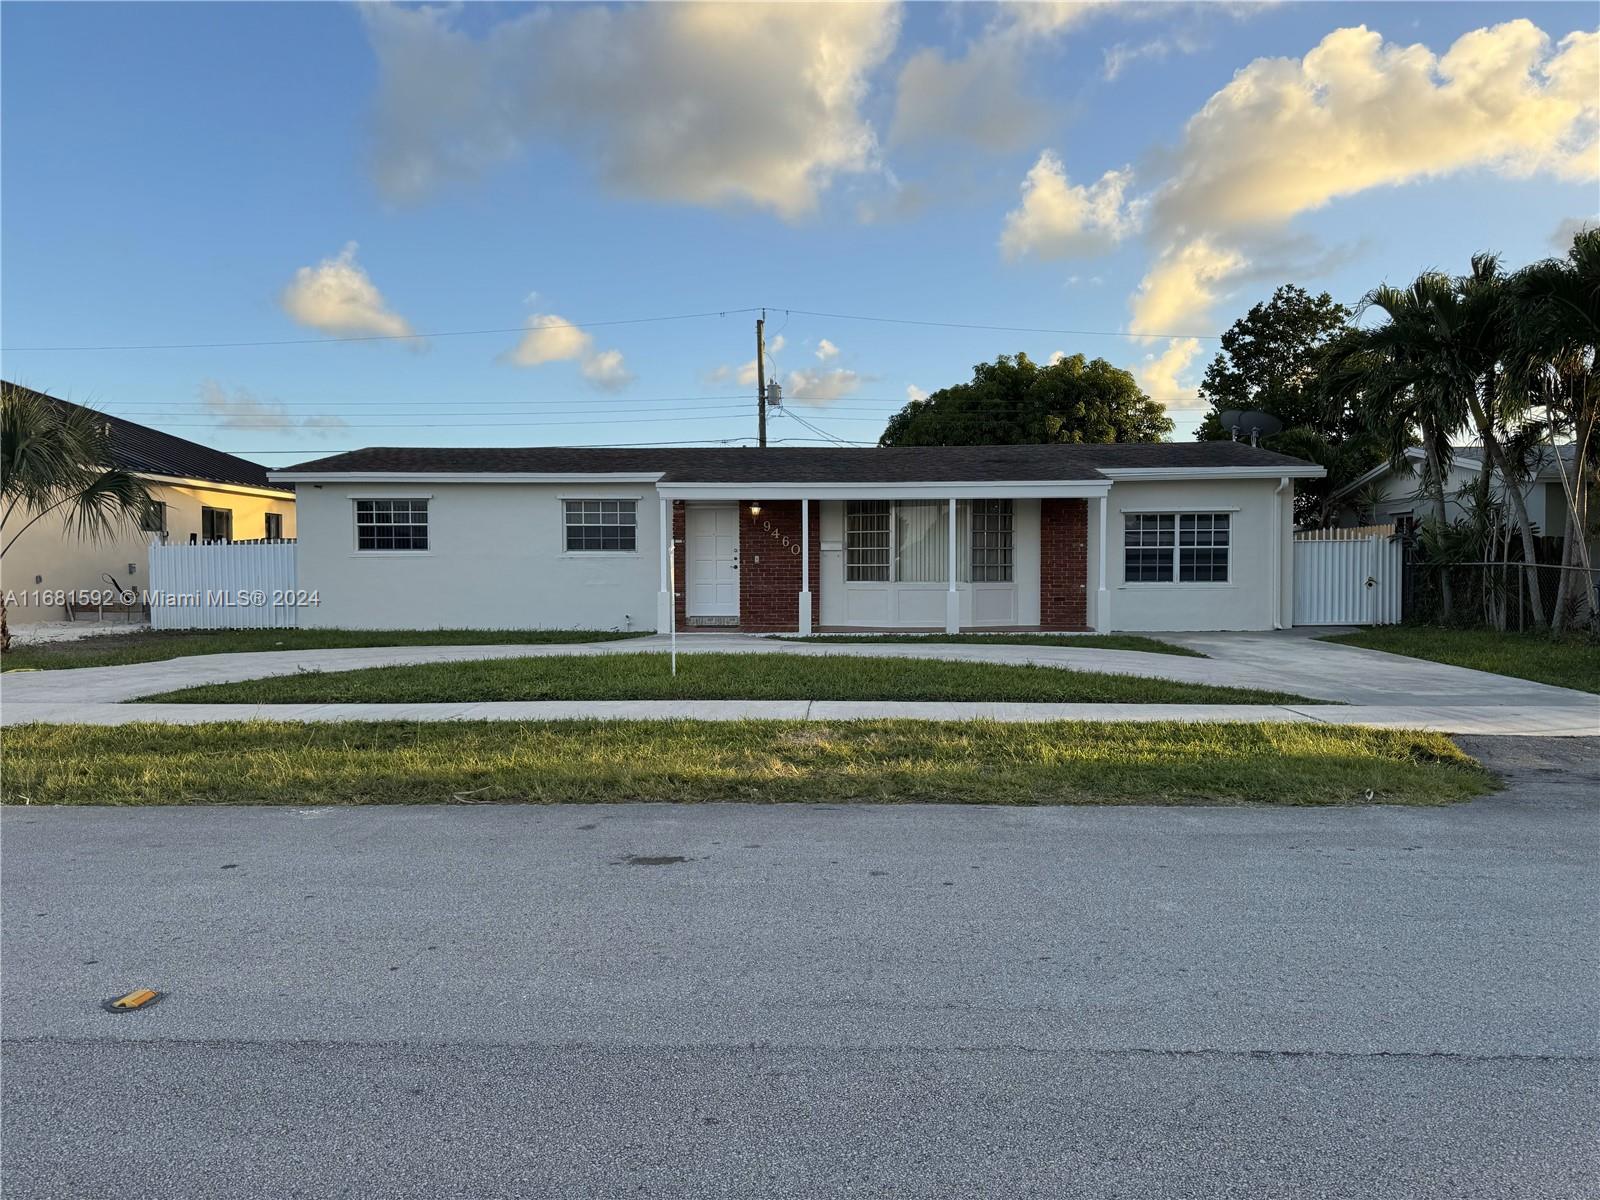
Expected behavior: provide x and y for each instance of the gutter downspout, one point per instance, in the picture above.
(1277, 552)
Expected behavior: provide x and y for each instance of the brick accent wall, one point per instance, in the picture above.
(1064, 564)
(769, 588)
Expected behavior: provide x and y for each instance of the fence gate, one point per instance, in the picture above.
(223, 585)
(1348, 576)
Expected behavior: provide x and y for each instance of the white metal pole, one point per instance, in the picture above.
(803, 622)
(672, 576)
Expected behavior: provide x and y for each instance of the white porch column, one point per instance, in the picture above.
(664, 605)
(805, 568)
(1102, 606)
(952, 601)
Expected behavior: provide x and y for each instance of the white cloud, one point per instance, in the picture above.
(549, 339)
(745, 373)
(977, 96)
(1183, 286)
(1158, 373)
(822, 387)
(1058, 219)
(695, 103)
(1570, 227)
(914, 393)
(337, 296)
(826, 350)
(1289, 135)
(1055, 357)
(242, 409)
(606, 370)
(974, 98)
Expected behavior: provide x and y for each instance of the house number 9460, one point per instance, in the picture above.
(788, 543)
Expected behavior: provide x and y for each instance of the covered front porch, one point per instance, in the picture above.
(894, 558)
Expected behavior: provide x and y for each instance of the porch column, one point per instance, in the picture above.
(1102, 606)
(805, 568)
(664, 605)
(952, 601)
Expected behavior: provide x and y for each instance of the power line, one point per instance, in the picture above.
(806, 312)
(382, 337)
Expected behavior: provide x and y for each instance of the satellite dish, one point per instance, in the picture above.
(1252, 421)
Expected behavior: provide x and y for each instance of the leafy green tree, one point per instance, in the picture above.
(1277, 359)
(1273, 358)
(57, 458)
(1016, 401)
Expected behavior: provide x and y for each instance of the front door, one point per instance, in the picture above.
(712, 533)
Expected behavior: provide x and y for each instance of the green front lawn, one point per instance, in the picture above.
(1570, 662)
(115, 649)
(1069, 641)
(761, 761)
(771, 676)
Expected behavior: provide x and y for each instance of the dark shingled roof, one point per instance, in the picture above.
(810, 464)
(150, 452)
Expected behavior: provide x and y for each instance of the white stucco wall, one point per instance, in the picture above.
(496, 560)
(1258, 518)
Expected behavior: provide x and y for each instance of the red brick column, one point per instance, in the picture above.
(1064, 564)
(769, 589)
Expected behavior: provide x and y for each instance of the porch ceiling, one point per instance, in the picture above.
(986, 490)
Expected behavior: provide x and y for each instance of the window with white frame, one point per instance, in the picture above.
(383, 524)
(866, 541)
(908, 541)
(992, 541)
(1181, 547)
(602, 525)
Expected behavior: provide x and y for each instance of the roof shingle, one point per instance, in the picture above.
(810, 464)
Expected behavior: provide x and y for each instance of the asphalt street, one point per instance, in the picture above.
(735, 1000)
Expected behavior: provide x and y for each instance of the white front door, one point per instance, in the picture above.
(712, 533)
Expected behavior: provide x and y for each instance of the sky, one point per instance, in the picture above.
(286, 230)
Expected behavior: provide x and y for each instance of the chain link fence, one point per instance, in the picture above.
(1506, 595)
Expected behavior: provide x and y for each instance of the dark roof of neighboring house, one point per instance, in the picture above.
(148, 451)
(810, 464)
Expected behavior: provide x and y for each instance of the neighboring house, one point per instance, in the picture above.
(1176, 536)
(1387, 495)
(204, 495)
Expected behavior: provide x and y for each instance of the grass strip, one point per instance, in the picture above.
(117, 649)
(770, 676)
(1570, 662)
(883, 762)
(1068, 641)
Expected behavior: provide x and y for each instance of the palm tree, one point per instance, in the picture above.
(57, 458)
(1476, 331)
(1399, 381)
(1554, 320)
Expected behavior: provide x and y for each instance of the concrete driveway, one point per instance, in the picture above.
(1380, 689)
(648, 1000)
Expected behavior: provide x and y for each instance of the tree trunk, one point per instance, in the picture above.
(5, 628)
(1436, 469)
(1530, 552)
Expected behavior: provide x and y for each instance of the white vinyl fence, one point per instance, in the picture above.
(1347, 576)
(223, 585)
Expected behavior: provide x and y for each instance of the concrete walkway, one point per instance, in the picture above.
(1379, 689)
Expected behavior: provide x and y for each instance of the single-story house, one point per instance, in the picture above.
(1170, 536)
(202, 495)
(1391, 494)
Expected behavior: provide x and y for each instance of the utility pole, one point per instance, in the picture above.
(761, 379)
